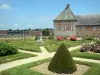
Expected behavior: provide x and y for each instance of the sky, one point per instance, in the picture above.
(25, 14)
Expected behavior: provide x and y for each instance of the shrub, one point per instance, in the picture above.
(93, 48)
(62, 61)
(73, 38)
(36, 37)
(89, 38)
(60, 38)
(6, 49)
(98, 42)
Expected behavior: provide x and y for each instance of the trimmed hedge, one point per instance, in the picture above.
(6, 49)
(62, 61)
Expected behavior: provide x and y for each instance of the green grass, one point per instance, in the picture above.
(77, 53)
(27, 44)
(93, 70)
(24, 69)
(13, 57)
(52, 45)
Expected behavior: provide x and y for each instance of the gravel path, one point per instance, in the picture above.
(43, 68)
(37, 53)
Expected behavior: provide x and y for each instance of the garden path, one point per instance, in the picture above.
(40, 56)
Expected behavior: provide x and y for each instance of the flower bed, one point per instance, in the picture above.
(91, 47)
(73, 38)
(60, 38)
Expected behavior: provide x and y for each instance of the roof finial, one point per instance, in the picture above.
(68, 6)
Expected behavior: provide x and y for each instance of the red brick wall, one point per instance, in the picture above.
(3, 31)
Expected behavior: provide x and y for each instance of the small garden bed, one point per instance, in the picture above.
(90, 51)
(95, 48)
(43, 68)
(27, 44)
(13, 57)
(25, 69)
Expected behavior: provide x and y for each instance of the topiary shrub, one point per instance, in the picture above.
(6, 49)
(62, 61)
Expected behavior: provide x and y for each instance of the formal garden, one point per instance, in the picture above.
(62, 62)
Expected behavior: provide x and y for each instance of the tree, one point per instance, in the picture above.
(45, 32)
(62, 61)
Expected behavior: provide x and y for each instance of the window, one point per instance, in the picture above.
(94, 28)
(63, 28)
(83, 28)
(72, 28)
(68, 28)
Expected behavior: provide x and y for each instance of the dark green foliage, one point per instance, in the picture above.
(62, 61)
(36, 37)
(89, 38)
(98, 41)
(6, 49)
(45, 32)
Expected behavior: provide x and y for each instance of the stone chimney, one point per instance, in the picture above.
(67, 6)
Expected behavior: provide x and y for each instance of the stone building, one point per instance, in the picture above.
(3, 32)
(68, 24)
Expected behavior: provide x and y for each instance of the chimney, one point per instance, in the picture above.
(67, 6)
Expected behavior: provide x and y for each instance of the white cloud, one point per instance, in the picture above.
(1, 25)
(15, 25)
(30, 25)
(5, 6)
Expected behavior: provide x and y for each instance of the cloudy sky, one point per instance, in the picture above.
(24, 14)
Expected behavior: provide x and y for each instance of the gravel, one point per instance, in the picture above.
(43, 68)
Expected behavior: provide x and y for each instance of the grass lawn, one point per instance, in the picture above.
(24, 69)
(13, 57)
(27, 44)
(52, 45)
(77, 53)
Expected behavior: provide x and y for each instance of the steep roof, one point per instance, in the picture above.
(66, 14)
(93, 19)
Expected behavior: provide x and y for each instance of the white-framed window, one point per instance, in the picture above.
(63, 28)
(83, 28)
(94, 28)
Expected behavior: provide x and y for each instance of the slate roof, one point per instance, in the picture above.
(93, 19)
(66, 14)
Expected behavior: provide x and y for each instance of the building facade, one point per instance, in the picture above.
(3, 32)
(68, 24)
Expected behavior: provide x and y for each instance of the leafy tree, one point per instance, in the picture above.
(62, 61)
(45, 32)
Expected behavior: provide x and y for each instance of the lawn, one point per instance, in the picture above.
(24, 69)
(26, 44)
(52, 45)
(88, 55)
(13, 57)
